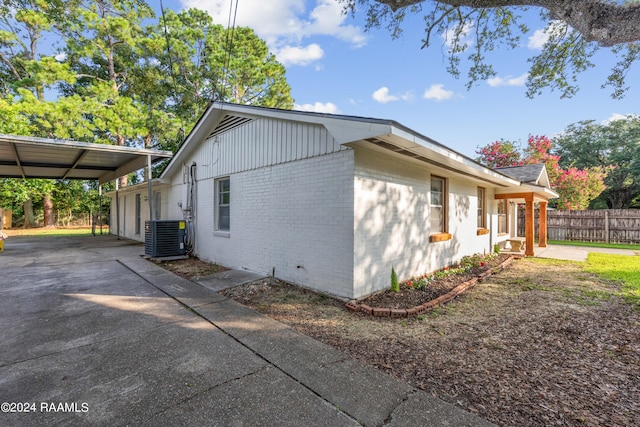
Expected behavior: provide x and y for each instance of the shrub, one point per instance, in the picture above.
(395, 286)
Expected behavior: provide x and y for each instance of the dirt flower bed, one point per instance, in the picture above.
(411, 294)
(191, 268)
(541, 343)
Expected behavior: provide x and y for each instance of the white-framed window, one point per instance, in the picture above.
(438, 211)
(482, 221)
(503, 216)
(223, 204)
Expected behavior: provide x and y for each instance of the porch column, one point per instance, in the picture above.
(529, 225)
(543, 225)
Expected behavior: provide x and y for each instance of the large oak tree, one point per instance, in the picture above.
(576, 29)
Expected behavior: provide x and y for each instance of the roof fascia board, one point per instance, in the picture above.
(448, 159)
(349, 130)
(343, 129)
(530, 188)
(418, 142)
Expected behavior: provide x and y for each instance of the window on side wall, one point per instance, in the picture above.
(438, 210)
(223, 203)
(503, 217)
(482, 211)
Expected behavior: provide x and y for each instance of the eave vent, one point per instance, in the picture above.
(229, 123)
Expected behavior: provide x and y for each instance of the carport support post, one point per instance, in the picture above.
(542, 242)
(529, 226)
(100, 207)
(150, 188)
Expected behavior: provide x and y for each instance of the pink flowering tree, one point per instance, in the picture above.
(577, 187)
(499, 154)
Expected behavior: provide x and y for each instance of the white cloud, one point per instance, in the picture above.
(382, 95)
(617, 116)
(437, 92)
(541, 36)
(508, 81)
(463, 37)
(407, 96)
(327, 19)
(318, 107)
(538, 39)
(300, 55)
(269, 19)
(285, 23)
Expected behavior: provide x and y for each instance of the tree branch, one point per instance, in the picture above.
(606, 23)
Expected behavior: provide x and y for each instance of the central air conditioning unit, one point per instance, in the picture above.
(164, 238)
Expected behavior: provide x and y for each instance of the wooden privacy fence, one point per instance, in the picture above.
(604, 225)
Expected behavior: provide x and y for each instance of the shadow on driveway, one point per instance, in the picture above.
(92, 334)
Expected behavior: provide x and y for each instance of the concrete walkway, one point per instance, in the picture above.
(576, 253)
(92, 334)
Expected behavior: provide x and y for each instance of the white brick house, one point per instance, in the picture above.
(329, 202)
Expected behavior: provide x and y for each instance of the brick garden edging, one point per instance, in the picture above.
(427, 306)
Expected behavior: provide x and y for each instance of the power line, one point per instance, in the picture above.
(173, 78)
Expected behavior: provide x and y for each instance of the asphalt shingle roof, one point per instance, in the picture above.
(526, 173)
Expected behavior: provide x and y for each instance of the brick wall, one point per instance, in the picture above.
(296, 218)
(391, 221)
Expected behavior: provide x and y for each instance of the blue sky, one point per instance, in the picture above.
(334, 66)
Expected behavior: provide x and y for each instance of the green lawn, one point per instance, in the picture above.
(621, 268)
(40, 232)
(595, 244)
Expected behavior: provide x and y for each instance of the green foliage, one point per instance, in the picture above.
(395, 286)
(466, 264)
(473, 33)
(615, 147)
(194, 64)
(119, 79)
(620, 268)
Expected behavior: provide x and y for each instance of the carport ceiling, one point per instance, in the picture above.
(30, 157)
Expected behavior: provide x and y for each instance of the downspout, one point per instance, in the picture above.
(118, 208)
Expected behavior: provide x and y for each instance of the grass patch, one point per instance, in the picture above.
(60, 232)
(620, 268)
(595, 244)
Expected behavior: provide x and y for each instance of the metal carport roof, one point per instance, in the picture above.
(31, 157)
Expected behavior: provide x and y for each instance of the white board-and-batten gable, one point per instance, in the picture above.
(231, 138)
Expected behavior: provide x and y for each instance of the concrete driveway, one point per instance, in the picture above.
(92, 334)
